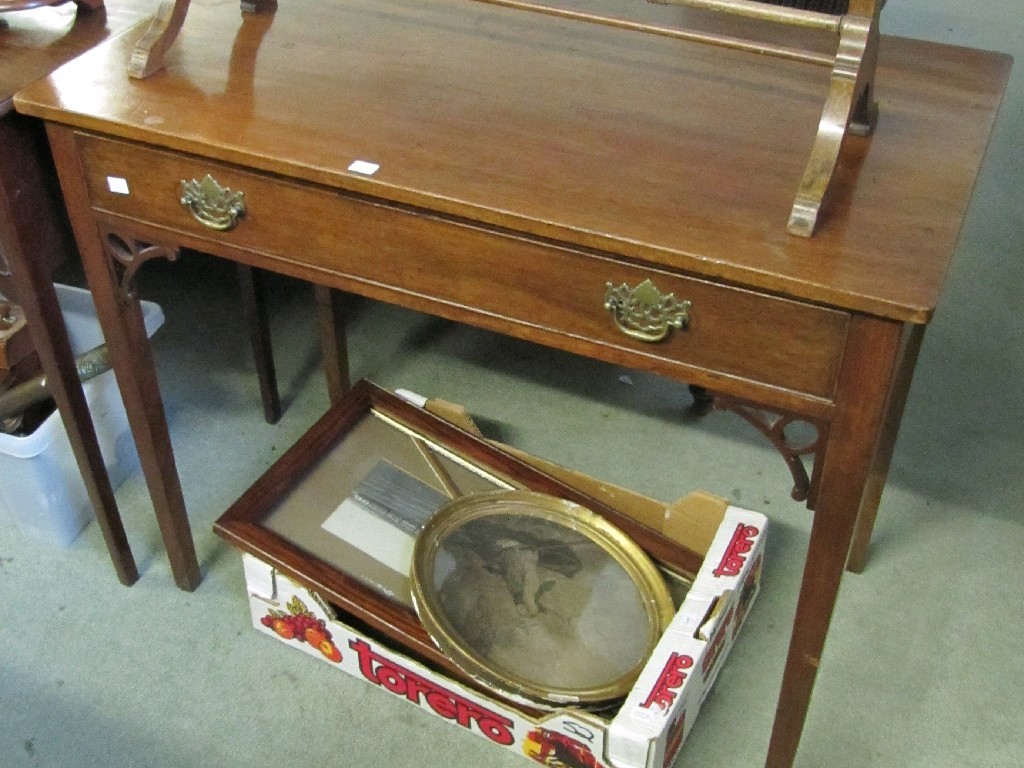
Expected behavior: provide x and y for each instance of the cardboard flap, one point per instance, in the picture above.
(260, 578)
(691, 521)
(694, 519)
(450, 412)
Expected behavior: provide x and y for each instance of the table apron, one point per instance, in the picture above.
(550, 292)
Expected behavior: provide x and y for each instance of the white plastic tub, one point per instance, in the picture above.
(41, 489)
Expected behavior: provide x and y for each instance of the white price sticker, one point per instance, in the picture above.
(117, 185)
(364, 167)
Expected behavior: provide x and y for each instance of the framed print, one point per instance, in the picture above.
(531, 594)
(340, 512)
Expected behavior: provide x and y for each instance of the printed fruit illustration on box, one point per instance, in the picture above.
(556, 750)
(298, 623)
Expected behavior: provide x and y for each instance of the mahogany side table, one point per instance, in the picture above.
(561, 183)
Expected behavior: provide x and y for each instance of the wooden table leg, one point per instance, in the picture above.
(868, 367)
(333, 344)
(33, 288)
(254, 308)
(899, 390)
(120, 316)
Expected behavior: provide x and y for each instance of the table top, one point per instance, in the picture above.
(659, 151)
(35, 42)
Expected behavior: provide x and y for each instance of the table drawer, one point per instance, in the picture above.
(535, 289)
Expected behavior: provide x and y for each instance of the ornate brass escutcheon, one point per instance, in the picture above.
(643, 313)
(211, 204)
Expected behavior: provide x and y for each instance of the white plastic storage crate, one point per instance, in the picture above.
(41, 488)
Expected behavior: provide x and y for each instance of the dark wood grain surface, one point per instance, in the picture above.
(556, 129)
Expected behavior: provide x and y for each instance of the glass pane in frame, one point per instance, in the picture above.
(361, 505)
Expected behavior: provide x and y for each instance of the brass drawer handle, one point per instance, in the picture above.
(211, 204)
(644, 313)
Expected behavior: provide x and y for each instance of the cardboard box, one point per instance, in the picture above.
(652, 722)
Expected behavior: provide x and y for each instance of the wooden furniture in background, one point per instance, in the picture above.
(34, 233)
(35, 238)
(559, 183)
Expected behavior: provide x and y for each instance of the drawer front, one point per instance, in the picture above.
(536, 290)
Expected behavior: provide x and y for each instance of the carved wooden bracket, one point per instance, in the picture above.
(793, 448)
(126, 255)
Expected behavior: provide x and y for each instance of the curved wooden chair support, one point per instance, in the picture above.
(151, 50)
(849, 105)
(149, 53)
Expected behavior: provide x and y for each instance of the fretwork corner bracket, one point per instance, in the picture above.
(126, 255)
(774, 426)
